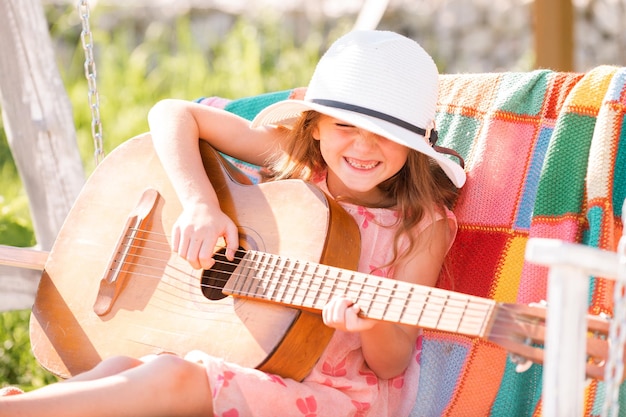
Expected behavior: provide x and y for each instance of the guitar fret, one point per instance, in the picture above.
(476, 322)
(408, 316)
(290, 287)
(367, 289)
(449, 317)
(325, 293)
(373, 300)
(244, 270)
(263, 272)
(308, 284)
(462, 308)
(433, 311)
(441, 311)
(394, 308)
(396, 305)
(382, 297)
(255, 287)
(273, 279)
(359, 293)
(286, 274)
(317, 283)
(419, 300)
(422, 309)
(301, 287)
(338, 286)
(341, 285)
(473, 320)
(321, 297)
(332, 283)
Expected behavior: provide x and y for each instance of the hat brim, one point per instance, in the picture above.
(288, 111)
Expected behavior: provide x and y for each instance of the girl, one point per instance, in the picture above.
(364, 133)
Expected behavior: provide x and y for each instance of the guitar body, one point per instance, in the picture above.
(159, 305)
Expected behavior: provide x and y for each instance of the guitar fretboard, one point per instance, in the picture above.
(310, 285)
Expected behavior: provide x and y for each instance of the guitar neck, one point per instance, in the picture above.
(309, 285)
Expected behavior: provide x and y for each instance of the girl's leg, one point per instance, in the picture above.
(107, 367)
(167, 386)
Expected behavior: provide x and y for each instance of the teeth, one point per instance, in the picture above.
(359, 165)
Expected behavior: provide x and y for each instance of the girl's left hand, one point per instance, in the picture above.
(342, 314)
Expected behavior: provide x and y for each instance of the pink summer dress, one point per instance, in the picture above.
(340, 384)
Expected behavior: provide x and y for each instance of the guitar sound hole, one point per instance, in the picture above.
(214, 279)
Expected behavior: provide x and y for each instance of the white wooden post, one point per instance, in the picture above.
(565, 347)
(38, 121)
(571, 265)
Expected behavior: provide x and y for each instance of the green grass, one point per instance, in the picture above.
(17, 366)
(139, 68)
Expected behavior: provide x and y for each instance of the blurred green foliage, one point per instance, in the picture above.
(138, 63)
(17, 365)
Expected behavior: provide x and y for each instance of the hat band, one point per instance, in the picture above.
(432, 138)
(431, 135)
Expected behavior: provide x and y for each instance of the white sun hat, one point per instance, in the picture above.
(379, 81)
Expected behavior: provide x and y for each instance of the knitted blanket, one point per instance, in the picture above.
(544, 157)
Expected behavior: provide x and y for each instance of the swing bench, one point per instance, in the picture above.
(545, 162)
(545, 158)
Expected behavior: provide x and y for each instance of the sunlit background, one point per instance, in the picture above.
(465, 35)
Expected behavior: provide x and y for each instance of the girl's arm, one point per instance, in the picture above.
(176, 126)
(388, 347)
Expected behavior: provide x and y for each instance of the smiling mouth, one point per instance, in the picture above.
(355, 163)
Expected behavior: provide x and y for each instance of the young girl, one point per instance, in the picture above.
(364, 133)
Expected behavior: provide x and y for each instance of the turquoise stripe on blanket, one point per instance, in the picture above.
(246, 107)
(519, 392)
(441, 364)
(250, 107)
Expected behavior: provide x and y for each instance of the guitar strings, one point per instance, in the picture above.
(509, 327)
(166, 249)
(519, 319)
(464, 312)
(290, 271)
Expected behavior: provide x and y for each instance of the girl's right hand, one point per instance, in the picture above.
(196, 232)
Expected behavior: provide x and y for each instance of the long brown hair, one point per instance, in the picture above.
(420, 188)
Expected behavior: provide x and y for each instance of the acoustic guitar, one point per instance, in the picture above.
(112, 286)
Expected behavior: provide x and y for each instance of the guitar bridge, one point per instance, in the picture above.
(112, 282)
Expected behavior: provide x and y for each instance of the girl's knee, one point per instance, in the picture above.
(178, 369)
(180, 379)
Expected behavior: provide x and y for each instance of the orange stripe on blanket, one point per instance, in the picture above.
(480, 381)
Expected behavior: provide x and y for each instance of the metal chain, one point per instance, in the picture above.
(90, 73)
(617, 333)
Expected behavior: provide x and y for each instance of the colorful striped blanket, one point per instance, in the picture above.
(545, 157)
